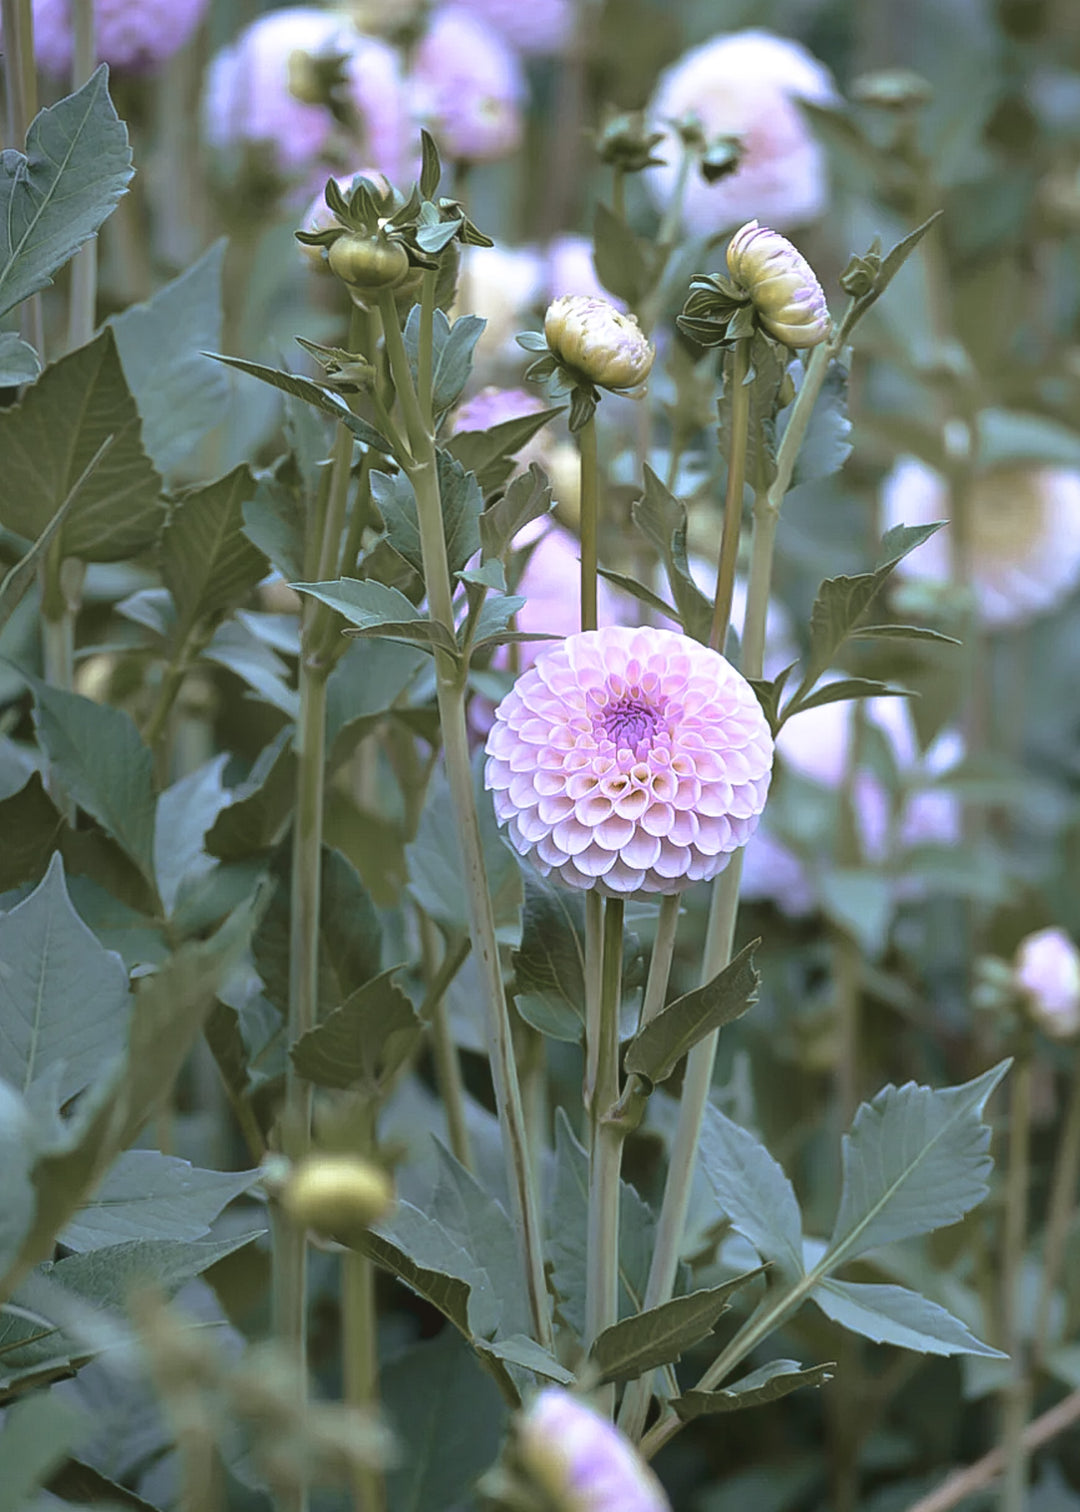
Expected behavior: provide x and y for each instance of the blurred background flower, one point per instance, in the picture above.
(132, 36)
(467, 87)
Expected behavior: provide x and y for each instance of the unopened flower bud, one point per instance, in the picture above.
(1047, 972)
(597, 342)
(625, 142)
(335, 1193)
(892, 89)
(721, 158)
(787, 296)
(579, 1461)
(368, 263)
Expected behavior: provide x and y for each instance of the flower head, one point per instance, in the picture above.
(129, 35)
(1047, 972)
(783, 286)
(594, 339)
(631, 761)
(336, 1193)
(468, 87)
(1025, 535)
(745, 85)
(581, 1461)
(541, 27)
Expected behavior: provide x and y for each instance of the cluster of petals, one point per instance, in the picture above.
(598, 341)
(790, 302)
(581, 1461)
(746, 85)
(630, 761)
(468, 87)
(130, 35)
(1025, 535)
(1047, 972)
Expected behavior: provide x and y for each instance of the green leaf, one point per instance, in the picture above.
(377, 610)
(520, 1350)
(862, 903)
(208, 563)
(625, 263)
(312, 393)
(449, 1420)
(19, 363)
(17, 1141)
(639, 591)
(147, 1195)
(841, 691)
(252, 822)
(752, 1191)
(904, 632)
(768, 364)
(419, 1251)
(396, 500)
(827, 443)
(435, 866)
(494, 619)
(769, 1384)
(1009, 438)
(915, 1160)
(180, 393)
(490, 453)
(50, 438)
(100, 758)
(476, 1221)
(662, 519)
(659, 1336)
(462, 505)
(528, 498)
(31, 826)
(76, 167)
(894, 1315)
(891, 264)
(185, 811)
(38, 1432)
(452, 350)
(900, 541)
(64, 1001)
(657, 1049)
(362, 1043)
(365, 684)
(235, 646)
(549, 965)
(274, 519)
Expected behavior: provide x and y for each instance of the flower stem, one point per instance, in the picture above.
(733, 500)
(444, 1053)
(20, 87)
(667, 925)
(1016, 1392)
(361, 1364)
(82, 311)
(450, 693)
(590, 521)
(605, 1151)
(1060, 1213)
(425, 353)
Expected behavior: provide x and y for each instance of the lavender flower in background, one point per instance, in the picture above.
(580, 1461)
(248, 102)
(571, 270)
(1046, 970)
(1025, 536)
(540, 28)
(630, 761)
(134, 36)
(467, 87)
(745, 85)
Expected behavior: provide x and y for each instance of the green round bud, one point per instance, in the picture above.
(334, 1193)
(368, 262)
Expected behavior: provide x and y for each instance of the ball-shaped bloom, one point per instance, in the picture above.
(334, 1193)
(745, 85)
(581, 1461)
(630, 761)
(789, 300)
(468, 87)
(132, 36)
(248, 102)
(1025, 535)
(1047, 972)
(541, 28)
(598, 342)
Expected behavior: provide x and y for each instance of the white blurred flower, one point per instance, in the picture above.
(502, 285)
(1025, 546)
(1047, 972)
(746, 85)
(468, 87)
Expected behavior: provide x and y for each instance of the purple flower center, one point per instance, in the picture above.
(629, 723)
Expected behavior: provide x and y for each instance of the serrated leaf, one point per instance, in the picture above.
(100, 758)
(657, 1049)
(208, 563)
(904, 632)
(251, 823)
(494, 619)
(826, 445)
(19, 362)
(476, 1221)
(435, 866)
(185, 811)
(77, 165)
(752, 1191)
(378, 610)
(274, 517)
(768, 363)
(147, 1195)
(366, 683)
(362, 1043)
(37, 1434)
(662, 519)
(179, 392)
(490, 453)
(522, 1351)
(311, 393)
(895, 1315)
(48, 442)
(639, 591)
(549, 965)
(915, 1160)
(31, 826)
(234, 646)
(768, 1384)
(624, 262)
(659, 1336)
(900, 541)
(396, 501)
(841, 691)
(451, 353)
(419, 1251)
(64, 1001)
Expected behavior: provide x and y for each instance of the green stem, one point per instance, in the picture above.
(733, 500)
(792, 439)
(439, 975)
(361, 1364)
(20, 87)
(82, 312)
(1059, 1214)
(666, 239)
(590, 521)
(656, 985)
(425, 352)
(618, 191)
(450, 694)
(594, 977)
(605, 1151)
(1016, 1392)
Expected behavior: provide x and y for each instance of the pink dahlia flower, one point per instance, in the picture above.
(1047, 972)
(132, 35)
(1025, 535)
(494, 406)
(247, 99)
(468, 87)
(747, 85)
(541, 28)
(632, 761)
(582, 1461)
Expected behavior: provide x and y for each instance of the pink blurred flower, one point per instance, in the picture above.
(1025, 541)
(493, 406)
(541, 27)
(630, 761)
(468, 87)
(571, 270)
(247, 100)
(131, 35)
(581, 1461)
(1047, 972)
(745, 84)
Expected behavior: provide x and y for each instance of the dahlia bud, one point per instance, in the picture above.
(598, 343)
(368, 263)
(1047, 972)
(580, 1462)
(786, 294)
(335, 1193)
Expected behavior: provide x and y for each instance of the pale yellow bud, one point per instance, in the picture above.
(784, 288)
(594, 339)
(335, 1193)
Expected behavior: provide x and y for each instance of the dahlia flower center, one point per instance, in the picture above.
(630, 721)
